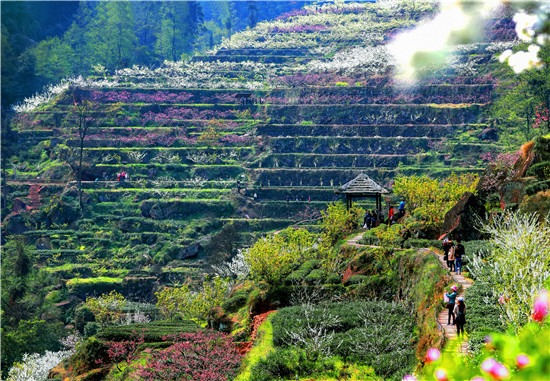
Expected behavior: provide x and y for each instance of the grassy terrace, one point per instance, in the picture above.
(317, 129)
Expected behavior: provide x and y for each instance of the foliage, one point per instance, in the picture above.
(205, 355)
(271, 259)
(338, 221)
(107, 308)
(153, 331)
(482, 315)
(430, 199)
(183, 302)
(29, 336)
(517, 265)
(361, 332)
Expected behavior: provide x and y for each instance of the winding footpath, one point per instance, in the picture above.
(449, 331)
(442, 318)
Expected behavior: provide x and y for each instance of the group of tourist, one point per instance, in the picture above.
(453, 254)
(457, 310)
(123, 176)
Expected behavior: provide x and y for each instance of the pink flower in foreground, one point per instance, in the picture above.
(541, 306)
(477, 378)
(409, 377)
(522, 361)
(432, 355)
(502, 299)
(440, 374)
(495, 369)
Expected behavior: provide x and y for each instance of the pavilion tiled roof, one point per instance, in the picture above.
(362, 184)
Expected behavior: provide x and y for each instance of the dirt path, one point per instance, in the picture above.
(442, 318)
(448, 330)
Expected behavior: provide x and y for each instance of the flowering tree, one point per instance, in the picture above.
(199, 356)
(106, 308)
(518, 264)
(182, 301)
(36, 367)
(431, 198)
(272, 258)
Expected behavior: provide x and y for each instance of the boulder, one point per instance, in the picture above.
(461, 219)
(15, 224)
(43, 244)
(19, 205)
(488, 134)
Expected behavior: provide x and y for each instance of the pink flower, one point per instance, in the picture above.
(495, 369)
(432, 355)
(502, 299)
(522, 361)
(477, 378)
(409, 377)
(541, 306)
(440, 374)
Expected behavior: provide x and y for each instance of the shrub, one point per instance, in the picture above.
(356, 279)
(82, 316)
(235, 303)
(155, 331)
(338, 221)
(316, 276)
(541, 170)
(91, 328)
(355, 331)
(422, 243)
(334, 279)
(537, 187)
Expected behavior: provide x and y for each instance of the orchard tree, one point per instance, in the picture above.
(429, 198)
(106, 308)
(273, 258)
(183, 302)
(338, 221)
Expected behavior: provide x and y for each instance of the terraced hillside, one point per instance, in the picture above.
(247, 139)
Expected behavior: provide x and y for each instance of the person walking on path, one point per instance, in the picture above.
(459, 253)
(366, 219)
(451, 304)
(460, 313)
(451, 257)
(446, 248)
(401, 209)
(390, 216)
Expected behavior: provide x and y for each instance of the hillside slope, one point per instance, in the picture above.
(325, 108)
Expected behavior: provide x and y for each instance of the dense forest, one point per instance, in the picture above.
(44, 42)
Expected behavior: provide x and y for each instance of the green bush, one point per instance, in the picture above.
(316, 276)
(236, 302)
(421, 243)
(82, 316)
(334, 279)
(364, 332)
(482, 315)
(537, 187)
(356, 279)
(154, 331)
(303, 271)
(91, 328)
(540, 170)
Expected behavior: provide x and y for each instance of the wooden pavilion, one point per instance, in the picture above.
(362, 187)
